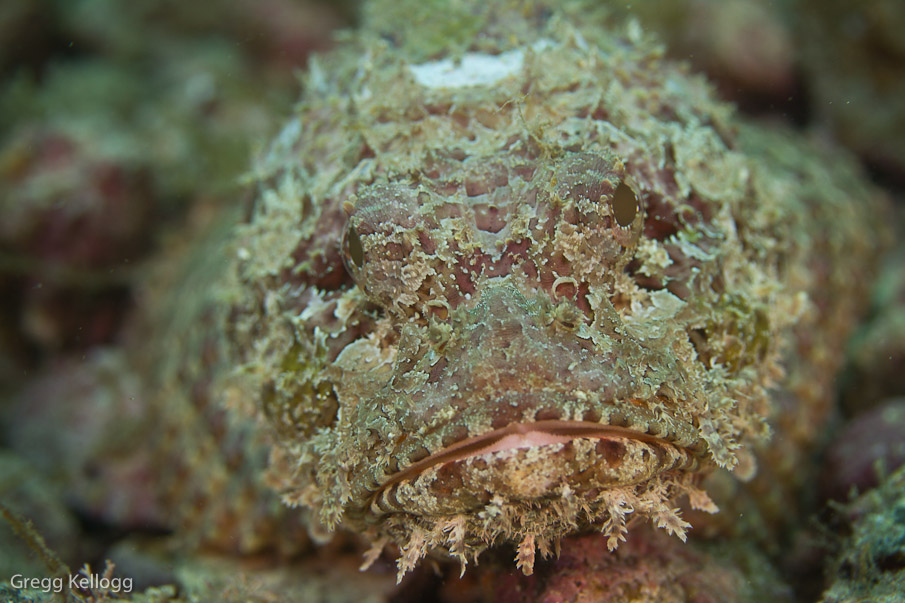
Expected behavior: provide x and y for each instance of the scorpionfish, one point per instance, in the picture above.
(511, 274)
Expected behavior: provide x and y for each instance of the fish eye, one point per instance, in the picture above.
(625, 205)
(356, 251)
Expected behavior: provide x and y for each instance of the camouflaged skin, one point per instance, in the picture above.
(532, 278)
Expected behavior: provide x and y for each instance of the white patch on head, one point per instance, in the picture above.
(473, 69)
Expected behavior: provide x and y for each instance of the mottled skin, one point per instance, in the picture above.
(513, 310)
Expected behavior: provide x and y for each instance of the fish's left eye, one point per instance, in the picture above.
(625, 205)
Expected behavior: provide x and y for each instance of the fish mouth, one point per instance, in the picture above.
(585, 455)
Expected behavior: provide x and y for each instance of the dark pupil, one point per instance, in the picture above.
(355, 250)
(625, 205)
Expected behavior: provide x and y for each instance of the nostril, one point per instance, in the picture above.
(565, 287)
(489, 218)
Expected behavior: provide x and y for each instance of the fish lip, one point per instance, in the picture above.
(557, 430)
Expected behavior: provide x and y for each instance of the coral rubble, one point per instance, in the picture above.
(870, 563)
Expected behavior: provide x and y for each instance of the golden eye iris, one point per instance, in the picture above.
(356, 251)
(625, 205)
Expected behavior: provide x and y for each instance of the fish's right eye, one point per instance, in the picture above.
(353, 245)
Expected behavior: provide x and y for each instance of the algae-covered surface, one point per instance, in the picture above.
(458, 301)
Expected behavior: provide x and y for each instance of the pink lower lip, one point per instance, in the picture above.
(515, 436)
(524, 440)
